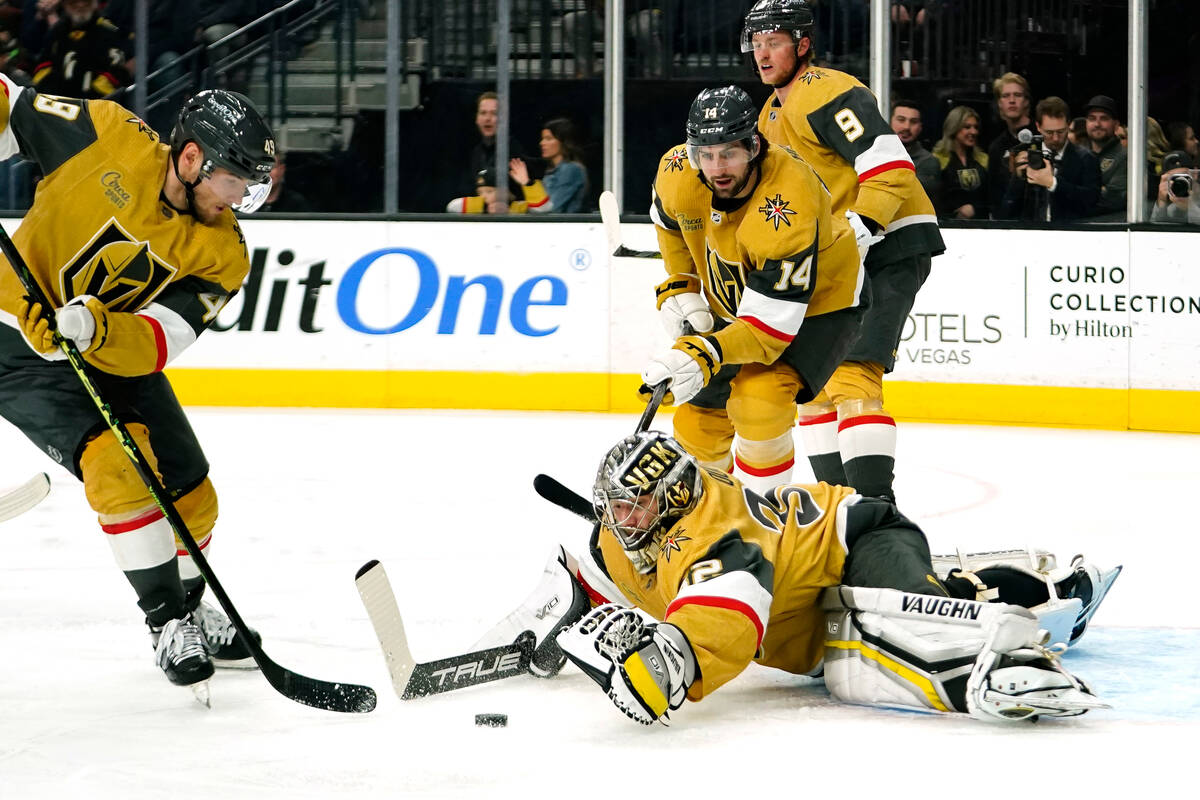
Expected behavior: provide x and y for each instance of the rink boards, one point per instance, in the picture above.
(1086, 328)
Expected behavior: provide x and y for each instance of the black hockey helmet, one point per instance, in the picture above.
(230, 131)
(790, 16)
(721, 115)
(645, 484)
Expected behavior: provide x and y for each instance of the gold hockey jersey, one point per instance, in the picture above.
(766, 264)
(833, 123)
(742, 574)
(100, 226)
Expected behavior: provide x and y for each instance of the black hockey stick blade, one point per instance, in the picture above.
(561, 496)
(610, 214)
(471, 669)
(308, 691)
(412, 679)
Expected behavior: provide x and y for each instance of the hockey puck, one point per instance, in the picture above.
(491, 720)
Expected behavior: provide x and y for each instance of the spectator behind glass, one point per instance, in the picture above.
(1066, 186)
(1012, 103)
(1156, 147)
(37, 18)
(963, 192)
(906, 124)
(282, 197)
(531, 199)
(1078, 132)
(171, 27)
(566, 178)
(1178, 201)
(644, 28)
(483, 154)
(1180, 136)
(85, 54)
(1101, 122)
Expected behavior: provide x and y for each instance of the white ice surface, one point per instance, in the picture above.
(445, 500)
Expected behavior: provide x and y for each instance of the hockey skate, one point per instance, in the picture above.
(1016, 677)
(180, 652)
(225, 645)
(1063, 598)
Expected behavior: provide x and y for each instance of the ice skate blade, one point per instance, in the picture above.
(235, 663)
(201, 693)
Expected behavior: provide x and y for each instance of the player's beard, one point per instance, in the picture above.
(736, 188)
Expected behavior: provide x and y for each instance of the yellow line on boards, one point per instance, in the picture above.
(1057, 406)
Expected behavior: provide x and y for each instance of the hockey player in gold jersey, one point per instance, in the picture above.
(698, 575)
(135, 244)
(764, 290)
(833, 123)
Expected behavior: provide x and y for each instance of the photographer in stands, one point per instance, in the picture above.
(1177, 197)
(1052, 180)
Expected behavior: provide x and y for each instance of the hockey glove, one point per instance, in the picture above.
(75, 321)
(862, 235)
(681, 303)
(689, 366)
(645, 667)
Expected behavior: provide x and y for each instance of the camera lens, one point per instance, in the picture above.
(1180, 185)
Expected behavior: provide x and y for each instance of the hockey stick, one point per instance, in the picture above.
(610, 214)
(19, 499)
(560, 495)
(294, 686)
(411, 678)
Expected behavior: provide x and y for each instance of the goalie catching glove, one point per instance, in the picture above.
(688, 366)
(644, 666)
(681, 304)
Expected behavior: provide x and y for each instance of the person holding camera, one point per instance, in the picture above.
(1176, 188)
(1052, 180)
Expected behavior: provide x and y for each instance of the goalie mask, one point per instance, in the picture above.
(645, 484)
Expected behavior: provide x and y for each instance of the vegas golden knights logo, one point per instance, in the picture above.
(120, 271)
(969, 179)
(726, 280)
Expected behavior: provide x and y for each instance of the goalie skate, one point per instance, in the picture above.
(225, 645)
(1016, 677)
(1073, 593)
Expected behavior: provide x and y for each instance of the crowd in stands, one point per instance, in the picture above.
(1043, 165)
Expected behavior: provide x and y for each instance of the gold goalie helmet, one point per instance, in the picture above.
(645, 484)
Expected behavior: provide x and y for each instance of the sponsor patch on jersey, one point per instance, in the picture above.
(674, 161)
(113, 190)
(116, 268)
(776, 210)
(690, 223)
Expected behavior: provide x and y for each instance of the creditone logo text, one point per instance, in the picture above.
(433, 289)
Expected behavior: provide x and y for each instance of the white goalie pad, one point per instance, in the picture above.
(556, 603)
(1075, 590)
(890, 648)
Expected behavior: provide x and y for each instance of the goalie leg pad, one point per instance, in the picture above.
(1063, 598)
(558, 602)
(892, 648)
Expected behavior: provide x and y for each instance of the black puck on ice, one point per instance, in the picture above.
(491, 720)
